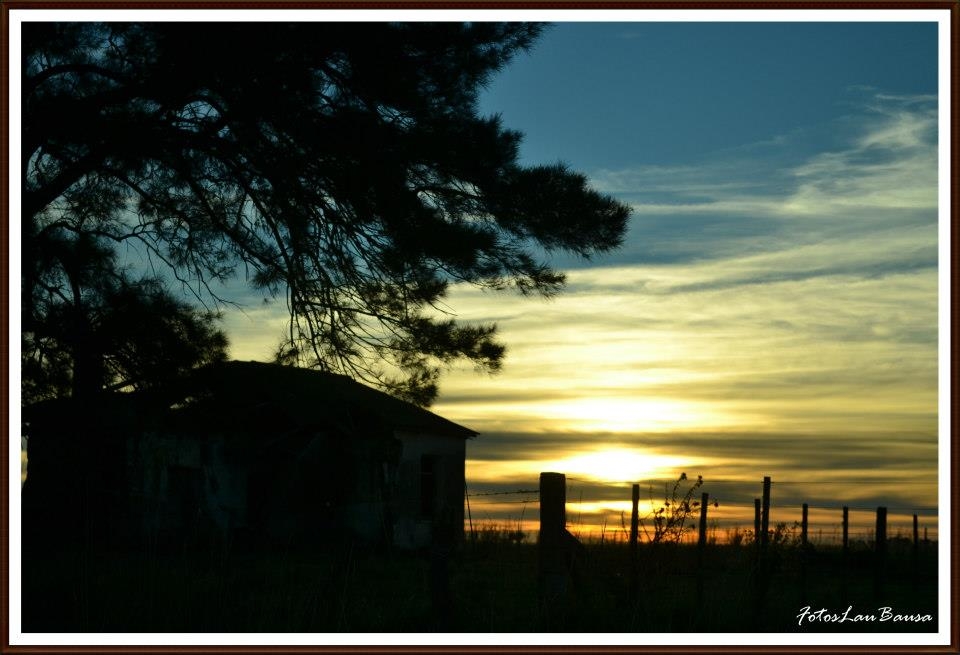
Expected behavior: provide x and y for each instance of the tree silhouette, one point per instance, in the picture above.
(343, 167)
(92, 328)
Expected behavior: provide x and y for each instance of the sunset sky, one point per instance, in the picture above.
(774, 310)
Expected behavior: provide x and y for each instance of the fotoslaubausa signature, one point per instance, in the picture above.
(881, 615)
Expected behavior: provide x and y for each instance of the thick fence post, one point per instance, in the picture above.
(881, 533)
(880, 554)
(553, 522)
(553, 507)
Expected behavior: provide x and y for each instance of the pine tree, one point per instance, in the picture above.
(342, 167)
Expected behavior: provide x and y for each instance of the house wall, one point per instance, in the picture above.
(413, 527)
(181, 482)
(190, 483)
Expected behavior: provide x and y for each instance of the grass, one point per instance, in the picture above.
(492, 583)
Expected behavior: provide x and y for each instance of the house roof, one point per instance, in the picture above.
(311, 396)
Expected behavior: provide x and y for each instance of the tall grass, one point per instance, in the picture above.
(493, 578)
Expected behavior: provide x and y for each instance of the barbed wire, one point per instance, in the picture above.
(504, 493)
(861, 508)
(851, 482)
(779, 509)
(922, 511)
(607, 483)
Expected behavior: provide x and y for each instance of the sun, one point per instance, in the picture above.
(617, 465)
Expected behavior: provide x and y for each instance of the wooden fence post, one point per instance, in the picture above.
(881, 533)
(466, 495)
(846, 529)
(765, 512)
(916, 549)
(803, 525)
(553, 506)
(803, 553)
(553, 522)
(880, 554)
(702, 541)
(756, 520)
(702, 546)
(634, 536)
(843, 555)
(760, 582)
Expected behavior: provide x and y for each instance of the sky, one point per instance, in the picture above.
(773, 310)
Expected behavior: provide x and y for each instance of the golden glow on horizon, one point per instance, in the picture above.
(604, 507)
(617, 465)
(613, 464)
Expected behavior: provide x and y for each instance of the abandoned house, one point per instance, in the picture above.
(245, 450)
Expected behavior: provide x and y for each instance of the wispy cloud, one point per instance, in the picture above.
(882, 175)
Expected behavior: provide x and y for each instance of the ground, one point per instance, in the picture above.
(489, 585)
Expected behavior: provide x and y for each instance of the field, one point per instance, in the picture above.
(489, 584)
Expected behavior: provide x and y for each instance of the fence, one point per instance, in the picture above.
(558, 548)
(600, 517)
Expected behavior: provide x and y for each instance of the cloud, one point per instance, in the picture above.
(850, 227)
(879, 177)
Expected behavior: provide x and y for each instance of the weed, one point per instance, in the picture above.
(669, 520)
